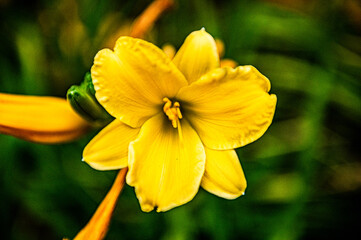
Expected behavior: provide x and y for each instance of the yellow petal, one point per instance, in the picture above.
(97, 227)
(40, 119)
(165, 171)
(229, 108)
(223, 175)
(131, 82)
(197, 56)
(109, 149)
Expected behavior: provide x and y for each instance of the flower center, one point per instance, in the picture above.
(173, 112)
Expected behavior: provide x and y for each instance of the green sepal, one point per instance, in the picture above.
(82, 100)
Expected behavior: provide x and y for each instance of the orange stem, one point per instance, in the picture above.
(145, 21)
(97, 227)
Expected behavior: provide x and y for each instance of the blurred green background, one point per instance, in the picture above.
(304, 174)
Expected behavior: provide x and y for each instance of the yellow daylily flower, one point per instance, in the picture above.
(177, 122)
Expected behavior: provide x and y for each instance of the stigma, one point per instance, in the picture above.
(172, 111)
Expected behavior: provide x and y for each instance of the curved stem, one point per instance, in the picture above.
(97, 227)
(145, 21)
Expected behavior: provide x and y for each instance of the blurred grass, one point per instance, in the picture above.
(304, 174)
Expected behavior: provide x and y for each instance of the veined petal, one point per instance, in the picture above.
(131, 82)
(165, 170)
(109, 149)
(40, 119)
(229, 108)
(197, 56)
(223, 175)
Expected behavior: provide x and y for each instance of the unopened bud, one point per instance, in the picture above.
(82, 100)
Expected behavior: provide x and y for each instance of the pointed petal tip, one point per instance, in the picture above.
(197, 56)
(202, 33)
(144, 206)
(224, 175)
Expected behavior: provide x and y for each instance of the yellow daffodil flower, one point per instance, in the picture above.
(177, 122)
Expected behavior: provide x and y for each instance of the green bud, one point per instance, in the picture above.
(82, 100)
(88, 84)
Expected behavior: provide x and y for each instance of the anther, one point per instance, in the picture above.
(180, 116)
(173, 112)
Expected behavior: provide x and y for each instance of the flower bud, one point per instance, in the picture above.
(82, 100)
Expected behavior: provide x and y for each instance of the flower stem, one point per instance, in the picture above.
(97, 227)
(145, 21)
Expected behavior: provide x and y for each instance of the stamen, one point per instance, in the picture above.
(173, 112)
(180, 116)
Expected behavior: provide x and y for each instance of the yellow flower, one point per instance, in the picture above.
(177, 122)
